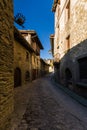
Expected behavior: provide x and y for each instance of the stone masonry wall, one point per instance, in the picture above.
(21, 62)
(76, 27)
(6, 62)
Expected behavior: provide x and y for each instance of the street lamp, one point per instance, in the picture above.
(19, 19)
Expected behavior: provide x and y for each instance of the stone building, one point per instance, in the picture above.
(44, 67)
(50, 63)
(6, 62)
(26, 56)
(70, 43)
(22, 60)
(34, 41)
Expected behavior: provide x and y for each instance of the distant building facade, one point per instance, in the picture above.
(6, 62)
(34, 41)
(70, 43)
(26, 56)
(44, 67)
(50, 63)
(22, 60)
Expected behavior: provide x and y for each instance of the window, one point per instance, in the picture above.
(68, 11)
(68, 42)
(37, 62)
(58, 12)
(58, 47)
(34, 59)
(83, 68)
(27, 55)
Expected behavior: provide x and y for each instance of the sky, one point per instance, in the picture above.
(39, 17)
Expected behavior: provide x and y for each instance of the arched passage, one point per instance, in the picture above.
(68, 76)
(27, 76)
(17, 77)
(83, 68)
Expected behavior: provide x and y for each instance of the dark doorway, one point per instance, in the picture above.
(17, 77)
(83, 68)
(68, 74)
(27, 76)
(33, 74)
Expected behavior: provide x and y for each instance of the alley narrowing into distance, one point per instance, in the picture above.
(41, 106)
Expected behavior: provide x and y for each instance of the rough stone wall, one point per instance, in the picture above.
(76, 27)
(78, 22)
(20, 60)
(35, 66)
(6, 62)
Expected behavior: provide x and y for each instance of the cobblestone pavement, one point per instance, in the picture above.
(44, 112)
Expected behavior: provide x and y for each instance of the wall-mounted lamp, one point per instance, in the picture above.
(19, 19)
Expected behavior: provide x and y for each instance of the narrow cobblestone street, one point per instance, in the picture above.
(40, 106)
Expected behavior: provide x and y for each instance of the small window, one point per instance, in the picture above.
(58, 12)
(34, 59)
(58, 47)
(37, 62)
(68, 42)
(68, 11)
(27, 55)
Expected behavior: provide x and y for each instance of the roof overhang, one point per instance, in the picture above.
(21, 39)
(34, 36)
